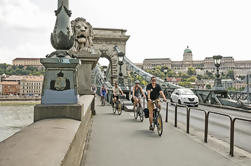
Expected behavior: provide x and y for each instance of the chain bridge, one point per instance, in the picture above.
(72, 128)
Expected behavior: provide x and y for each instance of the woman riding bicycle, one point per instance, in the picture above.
(153, 92)
(103, 92)
(137, 92)
(116, 92)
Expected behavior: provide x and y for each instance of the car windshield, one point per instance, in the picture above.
(186, 92)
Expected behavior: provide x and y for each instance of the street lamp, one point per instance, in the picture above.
(217, 81)
(120, 60)
(165, 71)
(105, 69)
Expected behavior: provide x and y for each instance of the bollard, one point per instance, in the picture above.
(188, 119)
(232, 138)
(175, 118)
(166, 112)
(206, 127)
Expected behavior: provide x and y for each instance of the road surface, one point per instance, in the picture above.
(121, 140)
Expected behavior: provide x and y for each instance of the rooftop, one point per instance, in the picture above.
(158, 59)
(26, 59)
(9, 83)
(23, 77)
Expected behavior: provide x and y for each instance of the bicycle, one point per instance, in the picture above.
(139, 112)
(117, 107)
(157, 119)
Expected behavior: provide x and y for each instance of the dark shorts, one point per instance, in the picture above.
(117, 97)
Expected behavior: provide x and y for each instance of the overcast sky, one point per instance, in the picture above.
(159, 28)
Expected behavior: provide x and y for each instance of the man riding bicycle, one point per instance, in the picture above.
(137, 92)
(116, 92)
(153, 92)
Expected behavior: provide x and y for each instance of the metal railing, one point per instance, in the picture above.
(206, 114)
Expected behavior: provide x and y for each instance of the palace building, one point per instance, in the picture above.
(227, 63)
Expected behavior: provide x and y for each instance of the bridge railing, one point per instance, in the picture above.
(232, 121)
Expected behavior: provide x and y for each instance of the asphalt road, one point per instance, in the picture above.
(219, 126)
(121, 140)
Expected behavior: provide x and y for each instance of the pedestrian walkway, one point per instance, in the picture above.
(122, 141)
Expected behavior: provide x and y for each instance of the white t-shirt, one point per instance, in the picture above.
(117, 91)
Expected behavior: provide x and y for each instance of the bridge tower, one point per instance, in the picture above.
(104, 41)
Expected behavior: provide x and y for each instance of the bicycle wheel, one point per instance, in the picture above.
(136, 113)
(102, 101)
(114, 108)
(141, 115)
(159, 124)
(119, 108)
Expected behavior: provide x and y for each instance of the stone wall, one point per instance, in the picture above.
(50, 142)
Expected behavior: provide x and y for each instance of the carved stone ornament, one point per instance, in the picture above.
(83, 35)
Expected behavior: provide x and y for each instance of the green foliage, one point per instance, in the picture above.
(134, 76)
(191, 71)
(209, 75)
(236, 89)
(230, 74)
(19, 70)
(171, 73)
(191, 79)
(242, 77)
(199, 77)
(208, 86)
(185, 84)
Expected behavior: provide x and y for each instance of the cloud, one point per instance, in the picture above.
(23, 14)
(26, 50)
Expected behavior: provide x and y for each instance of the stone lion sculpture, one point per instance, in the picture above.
(83, 34)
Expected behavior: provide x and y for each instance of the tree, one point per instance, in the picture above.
(184, 76)
(191, 71)
(171, 73)
(230, 74)
(209, 75)
(185, 84)
(191, 79)
(208, 86)
(199, 77)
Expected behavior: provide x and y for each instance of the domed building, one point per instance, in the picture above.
(188, 55)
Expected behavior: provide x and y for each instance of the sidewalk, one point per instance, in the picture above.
(122, 141)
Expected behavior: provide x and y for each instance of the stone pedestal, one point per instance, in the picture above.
(88, 62)
(60, 84)
(72, 111)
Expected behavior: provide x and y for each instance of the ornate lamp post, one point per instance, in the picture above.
(165, 71)
(60, 84)
(217, 81)
(105, 70)
(120, 60)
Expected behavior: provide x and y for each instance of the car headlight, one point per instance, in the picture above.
(196, 99)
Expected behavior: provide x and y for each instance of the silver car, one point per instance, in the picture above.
(184, 96)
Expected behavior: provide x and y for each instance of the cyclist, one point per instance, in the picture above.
(153, 92)
(116, 92)
(137, 92)
(103, 92)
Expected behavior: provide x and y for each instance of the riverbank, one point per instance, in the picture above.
(17, 103)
